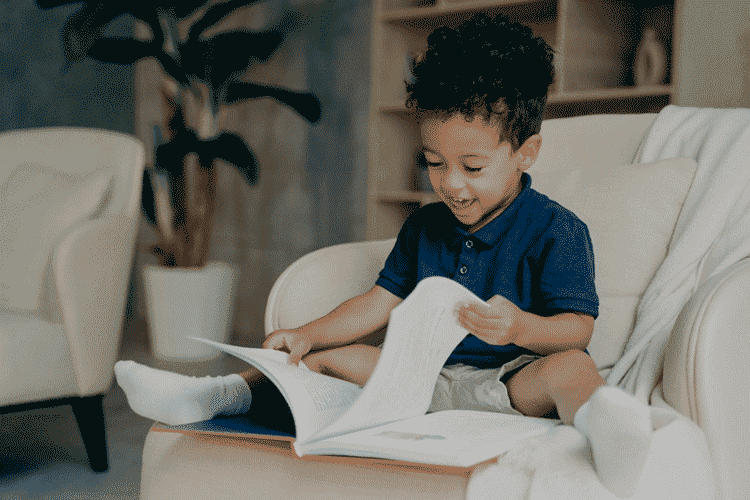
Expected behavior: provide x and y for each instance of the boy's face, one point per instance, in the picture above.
(474, 174)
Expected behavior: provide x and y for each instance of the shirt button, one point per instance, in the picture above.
(463, 270)
(469, 243)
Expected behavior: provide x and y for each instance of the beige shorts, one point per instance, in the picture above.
(464, 387)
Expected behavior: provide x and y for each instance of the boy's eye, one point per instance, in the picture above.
(426, 163)
(472, 169)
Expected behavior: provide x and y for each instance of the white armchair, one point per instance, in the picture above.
(632, 212)
(69, 216)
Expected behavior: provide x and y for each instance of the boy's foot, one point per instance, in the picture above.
(176, 399)
(619, 430)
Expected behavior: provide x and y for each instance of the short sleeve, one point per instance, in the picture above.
(399, 275)
(566, 281)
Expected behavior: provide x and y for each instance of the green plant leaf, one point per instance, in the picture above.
(216, 13)
(304, 103)
(172, 68)
(122, 50)
(169, 155)
(232, 149)
(218, 58)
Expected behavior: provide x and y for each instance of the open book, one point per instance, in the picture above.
(388, 417)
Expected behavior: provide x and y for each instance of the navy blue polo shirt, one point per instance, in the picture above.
(537, 254)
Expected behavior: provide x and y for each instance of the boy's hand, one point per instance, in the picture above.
(296, 343)
(496, 324)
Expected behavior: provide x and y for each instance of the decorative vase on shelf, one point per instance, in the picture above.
(650, 60)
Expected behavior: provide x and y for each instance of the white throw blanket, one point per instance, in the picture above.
(712, 233)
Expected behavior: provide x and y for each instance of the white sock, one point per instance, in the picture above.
(619, 430)
(176, 399)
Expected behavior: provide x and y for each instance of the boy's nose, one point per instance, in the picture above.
(454, 179)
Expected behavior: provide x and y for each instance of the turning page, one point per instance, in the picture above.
(422, 332)
(315, 400)
(459, 438)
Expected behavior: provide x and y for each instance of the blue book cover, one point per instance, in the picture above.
(234, 425)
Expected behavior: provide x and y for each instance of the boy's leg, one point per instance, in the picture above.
(617, 425)
(353, 363)
(253, 377)
(564, 380)
(176, 399)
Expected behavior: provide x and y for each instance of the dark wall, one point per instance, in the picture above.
(33, 90)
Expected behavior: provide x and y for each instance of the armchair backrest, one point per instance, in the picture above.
(78, 150)
(590, 142)
(52, 179)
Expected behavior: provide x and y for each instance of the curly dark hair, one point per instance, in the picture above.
(487, 67)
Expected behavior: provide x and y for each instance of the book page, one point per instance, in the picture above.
(422, 332)
(459, 438)
(315, 400)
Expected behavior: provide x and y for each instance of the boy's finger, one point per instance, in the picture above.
(467, 323)
(295, 355)
(278, 343)
(270, 342)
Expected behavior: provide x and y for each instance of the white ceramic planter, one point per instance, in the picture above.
(182, 303)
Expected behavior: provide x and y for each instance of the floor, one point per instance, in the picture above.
(41, 452)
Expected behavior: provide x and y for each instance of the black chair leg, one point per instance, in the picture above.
(89, 413)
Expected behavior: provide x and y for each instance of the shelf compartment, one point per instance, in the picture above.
(647, 103)
(609, 93)
(423, 18)
(388, 216)
(562, 98)
(394, 152)
(539, 15)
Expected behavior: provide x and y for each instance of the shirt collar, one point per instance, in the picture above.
(497, 228)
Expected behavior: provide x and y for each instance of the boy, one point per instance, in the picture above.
(479, 95)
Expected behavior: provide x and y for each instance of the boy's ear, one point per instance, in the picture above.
(529, 151)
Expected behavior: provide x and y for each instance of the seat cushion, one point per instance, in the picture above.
(37, 204)
(36, 362)
(631, 212)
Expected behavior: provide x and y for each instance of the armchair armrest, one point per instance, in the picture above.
(320, 281)
(91, 266)
(706, 375)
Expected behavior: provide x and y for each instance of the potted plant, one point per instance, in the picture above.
(186, 295)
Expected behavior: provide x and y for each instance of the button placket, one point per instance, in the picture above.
(467, 258)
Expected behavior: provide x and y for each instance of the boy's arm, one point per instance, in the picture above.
(561, 332)
(356, 318)
(505, 323)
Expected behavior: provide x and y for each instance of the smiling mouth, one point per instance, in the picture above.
(459, 204)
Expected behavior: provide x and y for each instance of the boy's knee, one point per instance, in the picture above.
(565, 368)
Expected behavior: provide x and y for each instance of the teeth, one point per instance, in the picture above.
(462, 203)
